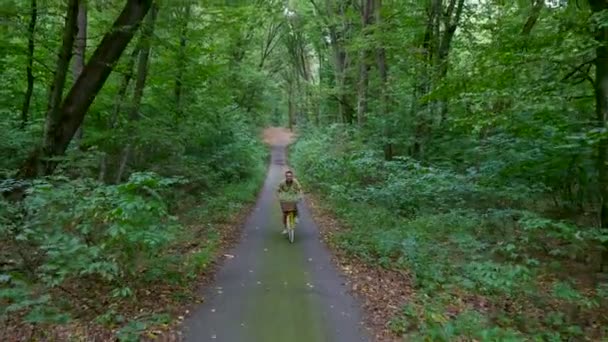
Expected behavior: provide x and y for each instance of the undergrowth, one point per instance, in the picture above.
(487, 264)
(77, 251)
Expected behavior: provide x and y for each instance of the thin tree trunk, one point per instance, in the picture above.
(140, 83)
(533, 18)
(83, 92)
(80, 47)
(142, 64)
(118, 101)
(291, 106)
(53, 114)
(362, 88)
(601, 109)
(126, 154)
(340, 58)
(31, 30)
(383, 72)
(124, 86)
(452, 20)
(367, 8)
(268, 46)
(270, 43)
(338, 69)
(422, 113)
(181, 61)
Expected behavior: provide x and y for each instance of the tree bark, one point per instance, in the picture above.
(367, 8)
(601, 110)
(291, 106)
(80, 47)
(537, 6)
(423, 85)
(181, 61)
(140, 82)
(383, 72)
(270, 42)
(118, 101)
(53, 114)
(124, 86)
(143, 62)
(452, 20)
(340, 58)
(84, 90)
(31, 30)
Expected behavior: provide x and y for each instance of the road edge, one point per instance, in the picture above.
(363, 280)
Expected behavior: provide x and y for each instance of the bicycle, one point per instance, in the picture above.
(290, 224)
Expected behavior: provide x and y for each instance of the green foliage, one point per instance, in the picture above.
(454, 233)
(132, 331)
(113, 234)
(117, 221)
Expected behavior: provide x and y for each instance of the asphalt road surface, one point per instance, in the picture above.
(272, 290)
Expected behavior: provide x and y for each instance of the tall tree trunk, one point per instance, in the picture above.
(367, 8)
(140, 83)
(451, 22)
(31, 30)
(421, 114)
(337, 35)
(537, 6)
(53, 114)
(338, 69)
(80, 48)
(343, 106)
(83, 92)
(124, 86)
(142, 64)
(181, 60)
(291, 105)
(268, 46)
(118, 102)
(383, 72)
(362, 87)
(601, 109)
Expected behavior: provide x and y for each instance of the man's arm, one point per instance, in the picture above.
(299, 188)
(280, 188)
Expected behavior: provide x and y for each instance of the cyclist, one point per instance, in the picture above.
(291, 188)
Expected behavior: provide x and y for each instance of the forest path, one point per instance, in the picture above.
(271, 290)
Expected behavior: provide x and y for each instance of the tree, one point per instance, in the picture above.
(64, 120)
(601, 110)
(181, 56)
(30, 63)
(80, 47)
(144, 48)
(367, 12)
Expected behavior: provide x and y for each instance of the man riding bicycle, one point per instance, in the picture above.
(289, 190)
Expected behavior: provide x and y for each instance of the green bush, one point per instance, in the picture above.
(459, 235)
(70, 231)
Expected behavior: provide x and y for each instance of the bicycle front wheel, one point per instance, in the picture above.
(291, 235)
(291, 225)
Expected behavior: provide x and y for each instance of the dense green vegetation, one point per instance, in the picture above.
(113, 222)
(465, 142)
(462, 141)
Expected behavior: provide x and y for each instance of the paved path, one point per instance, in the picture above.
(274, 291)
